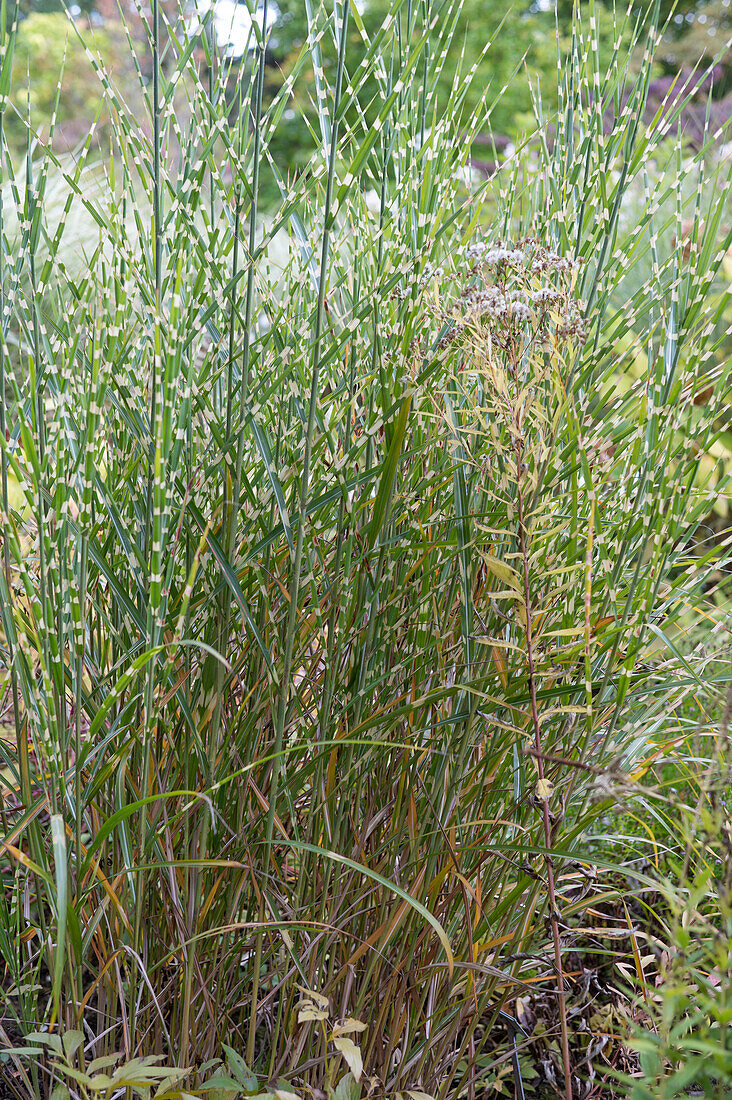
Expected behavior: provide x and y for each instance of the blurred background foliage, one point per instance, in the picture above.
(45, 47)
(523, 37)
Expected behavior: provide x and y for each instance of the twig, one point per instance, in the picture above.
(539, 756)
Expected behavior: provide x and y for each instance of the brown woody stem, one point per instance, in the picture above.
(539, 756)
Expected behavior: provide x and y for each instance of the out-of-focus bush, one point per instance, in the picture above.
(685, 1044)
(47, 46)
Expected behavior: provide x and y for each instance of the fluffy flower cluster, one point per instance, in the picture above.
(519, 290)
(573, 327)
(483, 254)
(496, 301)
(543, 261)
(530, 255)
(430, 274)
(546, 296)
(517, 302)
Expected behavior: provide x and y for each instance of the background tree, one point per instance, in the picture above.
(704, 36)
(522, 36)
(47, 46)
(517, 32)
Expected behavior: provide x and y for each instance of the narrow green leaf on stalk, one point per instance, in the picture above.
(388, 473)
(61, 882)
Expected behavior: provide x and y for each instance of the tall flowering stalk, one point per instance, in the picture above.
(517, 325)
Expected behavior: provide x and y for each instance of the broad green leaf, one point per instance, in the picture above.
(239, 1069)
(346, 1089)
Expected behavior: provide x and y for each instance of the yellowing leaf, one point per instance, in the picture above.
(544, 790)
(503, 572)
(310, 1012)
(521, 614)
(348, 1026)
(313, 996)
(351, 1053)
(415, 1094)
(500, 662)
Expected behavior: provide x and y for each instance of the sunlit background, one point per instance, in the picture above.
(523, 36)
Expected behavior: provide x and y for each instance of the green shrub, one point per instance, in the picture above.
(684, 1043)
(63, 84)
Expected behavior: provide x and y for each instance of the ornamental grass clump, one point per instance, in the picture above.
(346, 586)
